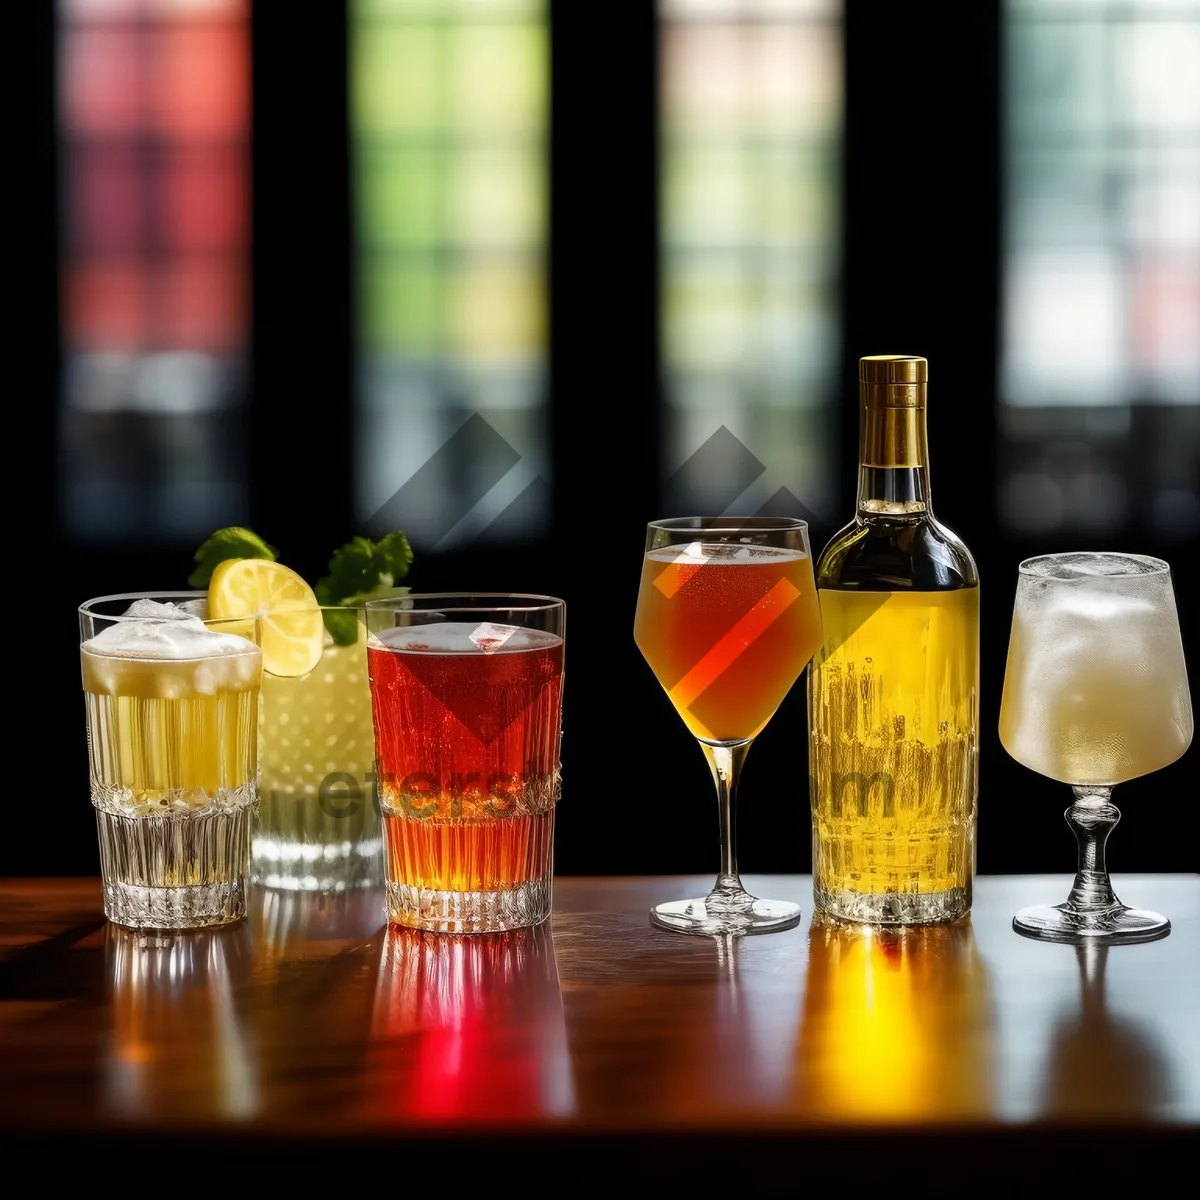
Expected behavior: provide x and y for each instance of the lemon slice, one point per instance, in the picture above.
(293, 632)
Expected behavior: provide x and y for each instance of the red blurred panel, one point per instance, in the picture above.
(104, 76)
(106, 200)
(204, 199)
(202, 304)
(1166, 311)
(106, 305)
(202, 79)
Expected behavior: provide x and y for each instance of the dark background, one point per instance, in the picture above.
(920, 274)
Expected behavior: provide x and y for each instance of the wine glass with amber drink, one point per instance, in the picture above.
(727, 618)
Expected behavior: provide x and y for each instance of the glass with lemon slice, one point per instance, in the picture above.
(318, 826)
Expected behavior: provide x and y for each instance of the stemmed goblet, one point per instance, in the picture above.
(727, 618)
(1095, 693)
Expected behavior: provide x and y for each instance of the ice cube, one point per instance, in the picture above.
(459, 637)
(159, 611)
(489, 637)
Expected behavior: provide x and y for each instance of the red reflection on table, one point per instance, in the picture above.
(471, 1028)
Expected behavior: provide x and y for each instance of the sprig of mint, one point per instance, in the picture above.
(234, 542)
(362, 570)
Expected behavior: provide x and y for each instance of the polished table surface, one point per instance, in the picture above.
(311, 1026)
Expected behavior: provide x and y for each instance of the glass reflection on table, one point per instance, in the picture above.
(177, 1038)
(290, 924)
(896, 1027)
(1100, 1062)
(471, 1027)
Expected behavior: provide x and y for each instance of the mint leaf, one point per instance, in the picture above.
(362, 566)
(342, 625)
(233, 542)
(394, 555)
(351, 570)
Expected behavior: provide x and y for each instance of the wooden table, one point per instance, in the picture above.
(310, 1034)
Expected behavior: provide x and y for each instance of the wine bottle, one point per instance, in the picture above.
(893, 693)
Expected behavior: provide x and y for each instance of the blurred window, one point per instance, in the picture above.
(751, 113)
(1100, 366)
(154, 127)
(448, 134)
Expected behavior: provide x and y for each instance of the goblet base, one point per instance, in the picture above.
(723, 914)
(1115, 926)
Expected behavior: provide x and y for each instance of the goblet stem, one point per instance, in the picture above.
(1092, 818)
(728, 910)
(725, 762)
(1092, 911)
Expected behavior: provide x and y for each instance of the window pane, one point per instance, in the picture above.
(154, 128)
(751, 118)
(449, 124)
(1100, 367)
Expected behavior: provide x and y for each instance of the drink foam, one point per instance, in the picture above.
(695, 554)
(152, 630)
(463, 637)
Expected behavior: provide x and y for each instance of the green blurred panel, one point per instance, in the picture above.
(456, 11)
(793, 204)
(497, 79)
(396, 77)
(707, 195)
(496, 312)
(496, 197)
(402, 303)
(401, 197)
(708, 310)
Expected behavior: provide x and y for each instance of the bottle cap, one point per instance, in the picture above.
(893, 368)
(893, 380)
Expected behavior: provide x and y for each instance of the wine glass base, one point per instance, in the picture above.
(709, 917)
(1114, 926)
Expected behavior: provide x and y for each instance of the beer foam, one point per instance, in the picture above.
(696, 554)
(463, 637)
(149, 629)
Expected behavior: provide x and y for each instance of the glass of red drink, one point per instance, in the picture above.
(466, 693)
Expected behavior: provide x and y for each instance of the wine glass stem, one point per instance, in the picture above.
(725, 762)
(1092, 818)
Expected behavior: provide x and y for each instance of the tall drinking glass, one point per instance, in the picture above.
(727, 618)
(1095, 693)
(466, 692)
(318, 826)
(172, 726)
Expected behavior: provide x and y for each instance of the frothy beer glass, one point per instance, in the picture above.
(172, 727)
(1095, 693)
(466, 692)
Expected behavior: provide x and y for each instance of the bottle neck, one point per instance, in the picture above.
(893, 473)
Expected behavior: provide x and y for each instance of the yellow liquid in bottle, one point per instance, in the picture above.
(893, 747)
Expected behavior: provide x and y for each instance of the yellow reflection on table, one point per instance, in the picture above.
(177, 1036)
(895, 1026)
